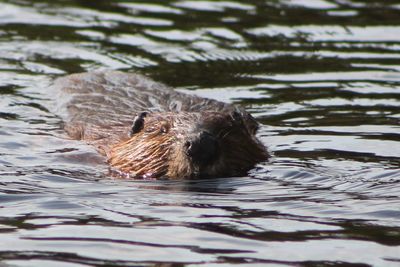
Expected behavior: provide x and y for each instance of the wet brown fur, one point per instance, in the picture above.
(99, 108)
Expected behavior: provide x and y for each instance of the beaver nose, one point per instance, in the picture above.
(202, 148)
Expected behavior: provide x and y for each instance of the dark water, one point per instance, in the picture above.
(322, 76)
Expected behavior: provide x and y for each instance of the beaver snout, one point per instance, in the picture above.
(202, 148)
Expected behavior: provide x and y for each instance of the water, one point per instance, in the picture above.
(322, 76)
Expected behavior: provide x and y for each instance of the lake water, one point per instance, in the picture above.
(323, 78)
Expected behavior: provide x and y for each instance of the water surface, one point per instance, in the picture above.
(323, 78)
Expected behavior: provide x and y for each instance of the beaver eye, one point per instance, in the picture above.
(138, 123)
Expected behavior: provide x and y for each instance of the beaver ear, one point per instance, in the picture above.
(138, 123)
(237, 115)
(241, 116)
(252, 124)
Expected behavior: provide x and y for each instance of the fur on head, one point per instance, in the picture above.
(189, 145)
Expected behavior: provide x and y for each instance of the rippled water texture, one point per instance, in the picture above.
(323, 77)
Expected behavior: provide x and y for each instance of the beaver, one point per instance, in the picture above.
(147, 130)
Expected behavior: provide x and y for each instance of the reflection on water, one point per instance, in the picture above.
(321, 75)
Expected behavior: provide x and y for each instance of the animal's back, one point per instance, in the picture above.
(99, 107)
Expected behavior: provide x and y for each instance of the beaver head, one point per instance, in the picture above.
(190, 145)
